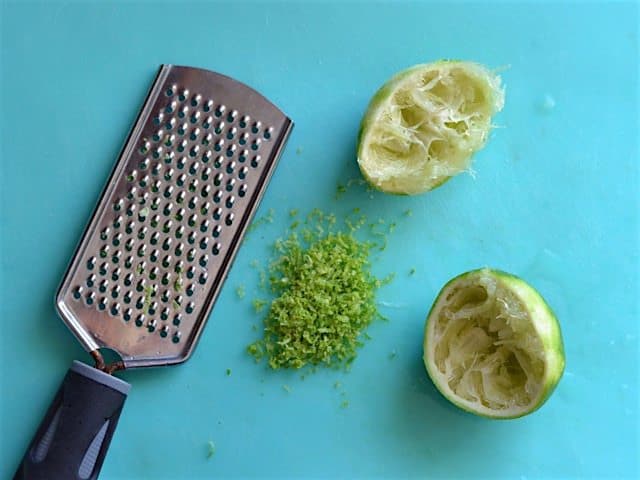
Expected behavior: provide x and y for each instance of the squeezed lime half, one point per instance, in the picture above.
(492, 345)
(422, 127)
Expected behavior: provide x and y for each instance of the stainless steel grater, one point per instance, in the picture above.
(164, 233)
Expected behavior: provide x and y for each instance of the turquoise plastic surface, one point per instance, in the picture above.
(555, 199)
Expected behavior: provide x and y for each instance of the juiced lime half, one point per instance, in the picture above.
(425, 123)
(492, 345)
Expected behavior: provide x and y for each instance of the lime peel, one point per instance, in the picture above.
(492, 345)
(422, 127)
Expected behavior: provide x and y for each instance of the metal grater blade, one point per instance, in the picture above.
(160, 242)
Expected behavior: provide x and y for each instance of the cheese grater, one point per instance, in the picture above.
(156, 251)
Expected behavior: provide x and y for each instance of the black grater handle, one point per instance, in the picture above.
(72, 440)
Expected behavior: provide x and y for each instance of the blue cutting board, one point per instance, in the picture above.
(555, 199)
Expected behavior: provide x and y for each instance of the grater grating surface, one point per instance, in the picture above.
(161, 240)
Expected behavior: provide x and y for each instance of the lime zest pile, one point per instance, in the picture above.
(324, 296)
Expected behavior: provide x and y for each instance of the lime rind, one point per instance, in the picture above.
(492, 345)
(425, 123)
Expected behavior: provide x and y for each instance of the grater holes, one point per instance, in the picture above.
(104, 233)
(165, 297)
(193, 185)
(206, 173)
(164, 331)
(244, 121)
(216, 248)
(231, 133)
(140, 320)
(229, 219)
(190, 290)
(230, 184)
(104, 268)
(115, 275)
(255, 161)
(91, 280)
(218, 145)
(242, 191)
(204, 259)
(126, 315)
(184, 111)
(144, 164)
(169, 140)
(255, 128)
(128, 229)
(268, 133)
(208, 106)
(131, 193)
(177, 319)
(151, 325)
(77, 292)
(176, 337)
(242, 174)
(102, 304)
(183, 95)
(255, 145)
(195, 133)
(195, 116)
(158, 135)
(128, 296)
(207, 122)
(104, 284)
(181, 179)
(145, 147)
(217, 213)
(91, 263)
(115, 258)
(180, 214)
(170, 91)
(191, 239)
(168, 158)
(243, 156)
(219, 128)
(216, 231)
(153, 273)
(117, 206)
(171, 107)
(90, 298)
(157, 152)
(204, 242)
(230, 201)
(244, 138)
(220, 109)
(181, 163)
(115, 291)
(168, 174)
(170, 125)
(193, 202)
(115, 309)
